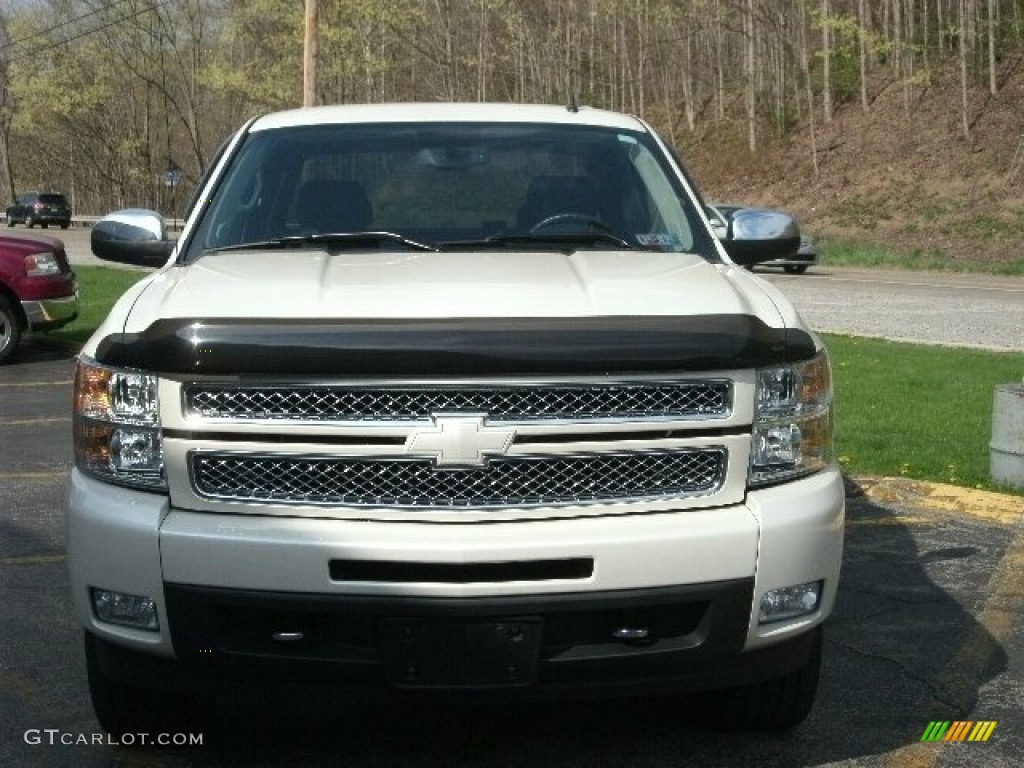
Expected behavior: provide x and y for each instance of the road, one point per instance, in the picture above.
(985, 311)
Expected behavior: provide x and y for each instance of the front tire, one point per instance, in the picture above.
(122, 708)
(30, 222)
(774, 705)
(10, 330)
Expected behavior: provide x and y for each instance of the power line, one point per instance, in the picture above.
(55, 27)
(86, 33)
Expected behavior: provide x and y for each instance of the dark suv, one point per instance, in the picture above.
(42, 208)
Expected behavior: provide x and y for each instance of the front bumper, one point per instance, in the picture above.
(620, 670)
(798, 259)
(49, 217)
(47, 314)
(239, 595)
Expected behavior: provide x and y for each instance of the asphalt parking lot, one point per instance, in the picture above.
(929, 626)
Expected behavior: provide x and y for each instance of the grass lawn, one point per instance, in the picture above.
(98, 289)
(901, 409)
(842, 253)
(918, 411)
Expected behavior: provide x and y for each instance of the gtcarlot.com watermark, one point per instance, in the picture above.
(54, 737)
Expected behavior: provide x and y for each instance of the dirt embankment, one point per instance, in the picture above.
(901, 173)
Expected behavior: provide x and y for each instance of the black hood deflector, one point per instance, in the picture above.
(456, 347)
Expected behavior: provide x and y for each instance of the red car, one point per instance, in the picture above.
(38, 291)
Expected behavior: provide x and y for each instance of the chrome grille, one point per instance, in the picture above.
(700, 399)
(401, 482)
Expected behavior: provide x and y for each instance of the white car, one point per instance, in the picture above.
(452, 398)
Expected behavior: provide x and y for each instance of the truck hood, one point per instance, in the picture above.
(314, 284)
(428, 314)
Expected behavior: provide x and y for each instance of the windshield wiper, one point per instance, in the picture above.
(344, 239)
(562, 239)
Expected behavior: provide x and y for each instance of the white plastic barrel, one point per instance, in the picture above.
(1006, 451)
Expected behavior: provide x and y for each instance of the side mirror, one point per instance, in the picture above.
(761, 234)
(132, 236)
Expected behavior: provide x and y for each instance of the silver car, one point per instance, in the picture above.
(807, 256)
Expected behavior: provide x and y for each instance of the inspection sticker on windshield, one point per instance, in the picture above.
(659, 240)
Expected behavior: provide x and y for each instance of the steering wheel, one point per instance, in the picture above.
(564, 222)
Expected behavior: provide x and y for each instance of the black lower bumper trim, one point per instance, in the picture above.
(675, 638)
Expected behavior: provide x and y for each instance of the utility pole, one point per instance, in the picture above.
(309, 55)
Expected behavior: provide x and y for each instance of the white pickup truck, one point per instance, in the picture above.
(444, 397)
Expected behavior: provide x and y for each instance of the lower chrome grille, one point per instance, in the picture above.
(509, 481)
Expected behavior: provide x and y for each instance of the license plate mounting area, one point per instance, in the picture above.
(426, 653)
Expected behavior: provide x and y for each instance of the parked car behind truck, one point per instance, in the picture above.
(452, 398)
(38, 290)
(806, 255)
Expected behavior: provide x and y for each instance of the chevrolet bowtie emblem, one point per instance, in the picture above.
(460, 441)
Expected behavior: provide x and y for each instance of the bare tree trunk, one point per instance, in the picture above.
(962, 55)
(805, 69)
(481, 54)
(826, 61)
(719, 64)
(898, 58)
(924, 35)
(940, 25)
(993, 13)
(751, 94)
(6, 115)
(689, 99)
(862, 49)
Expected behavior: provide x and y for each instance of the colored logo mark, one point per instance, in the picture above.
(959, 730)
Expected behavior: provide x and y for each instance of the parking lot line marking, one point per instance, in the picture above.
(30, 422)
(961, 677)
(32, 559)
(33, 475)
(17, 384)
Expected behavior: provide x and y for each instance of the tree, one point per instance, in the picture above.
(110, 93)
(6, 114)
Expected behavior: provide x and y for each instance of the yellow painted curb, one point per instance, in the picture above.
(1002, 508)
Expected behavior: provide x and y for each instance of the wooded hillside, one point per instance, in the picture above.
(837, 109)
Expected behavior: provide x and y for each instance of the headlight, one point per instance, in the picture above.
(41, 264)
(793, 421)
(117, 426)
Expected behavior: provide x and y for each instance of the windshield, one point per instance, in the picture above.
(450, 185)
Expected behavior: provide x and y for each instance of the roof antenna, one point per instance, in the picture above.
(573, 105)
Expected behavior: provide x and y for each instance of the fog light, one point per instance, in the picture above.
(127, 610)
(789, 602)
